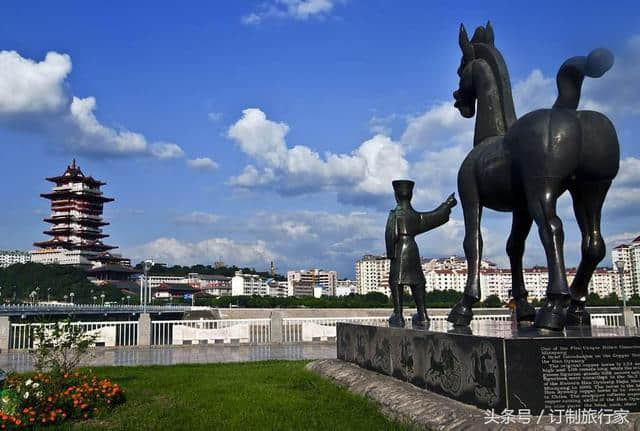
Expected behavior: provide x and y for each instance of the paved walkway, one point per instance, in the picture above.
(20, 361)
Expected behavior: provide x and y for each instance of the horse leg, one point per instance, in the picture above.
(420, 319)
(396, 320)
(587, 205)
(520, 227)
(461, 313)
(542, 196)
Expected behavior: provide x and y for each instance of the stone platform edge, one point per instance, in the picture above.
(408, 404)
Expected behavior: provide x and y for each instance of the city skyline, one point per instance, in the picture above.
(259, 134)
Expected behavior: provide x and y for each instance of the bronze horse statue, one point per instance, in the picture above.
(523, 166)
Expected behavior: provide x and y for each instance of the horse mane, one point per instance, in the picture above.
(484, 49)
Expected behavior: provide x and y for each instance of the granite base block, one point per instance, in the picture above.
(499, 367)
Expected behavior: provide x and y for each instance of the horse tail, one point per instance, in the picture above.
(572, 73)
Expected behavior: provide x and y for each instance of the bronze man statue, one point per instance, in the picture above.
(403, 224)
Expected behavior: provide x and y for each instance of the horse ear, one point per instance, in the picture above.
(465, 46)
(488, 34)
(478, 35)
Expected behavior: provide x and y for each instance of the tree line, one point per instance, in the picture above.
(54, 282)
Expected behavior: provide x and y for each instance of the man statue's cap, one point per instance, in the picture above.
(403, 186)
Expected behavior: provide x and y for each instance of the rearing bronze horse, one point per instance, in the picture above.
(523, 166)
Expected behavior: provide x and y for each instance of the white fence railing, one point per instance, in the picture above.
(607, 319)
(304, 329)
(108, 334)
(226, 331)
(242, 331)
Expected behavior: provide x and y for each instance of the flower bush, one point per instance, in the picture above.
(60, 347)
(45, 399)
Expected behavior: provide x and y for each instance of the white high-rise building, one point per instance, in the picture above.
(328, 280)
(630, 255)
(10, 257)
(372, 275)
(248, 284)
(346, 287)
(278, 289)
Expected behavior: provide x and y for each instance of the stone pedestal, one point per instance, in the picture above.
(496, 366)
(144, 329)
(5, 331)
(628, 318)
(277, 327)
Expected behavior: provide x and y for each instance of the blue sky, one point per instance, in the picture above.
(270, 130)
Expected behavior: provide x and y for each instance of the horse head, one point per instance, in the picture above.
(465, 95)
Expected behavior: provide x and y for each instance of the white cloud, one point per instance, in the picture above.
(438, 127)
(260, 138)
(166, 150)
(197, 218)
(535, 92)
(214, 116)
(381, 125)
(34, 97)
(365, 173)
(629, 173)
(202, 164)
(295, 9)
(29, 86)
(176, 252)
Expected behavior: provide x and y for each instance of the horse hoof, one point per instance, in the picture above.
(525, 312)
(460, 315)
(551, 316)
(418, 323)
(577, 315)
(396, 321)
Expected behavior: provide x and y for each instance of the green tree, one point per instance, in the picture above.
(492, 301)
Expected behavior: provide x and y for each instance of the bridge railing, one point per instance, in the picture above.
(97, 308)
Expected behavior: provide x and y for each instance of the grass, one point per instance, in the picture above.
(271, 395)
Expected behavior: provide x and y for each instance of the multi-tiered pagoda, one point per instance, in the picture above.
(76, 218)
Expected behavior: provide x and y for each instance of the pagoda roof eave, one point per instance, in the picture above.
(79, 220)
(75, 178)
(76, 195)
(80, 234)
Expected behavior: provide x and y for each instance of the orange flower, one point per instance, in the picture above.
(25, 410)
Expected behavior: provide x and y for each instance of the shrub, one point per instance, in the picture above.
(59, 348)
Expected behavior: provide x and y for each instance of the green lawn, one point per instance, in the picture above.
(271, 395)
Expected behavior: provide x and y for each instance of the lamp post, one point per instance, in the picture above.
(627, 313)
(71, 295)
(145, 292)
(48, 294)
(620, 268)
(102, 299)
